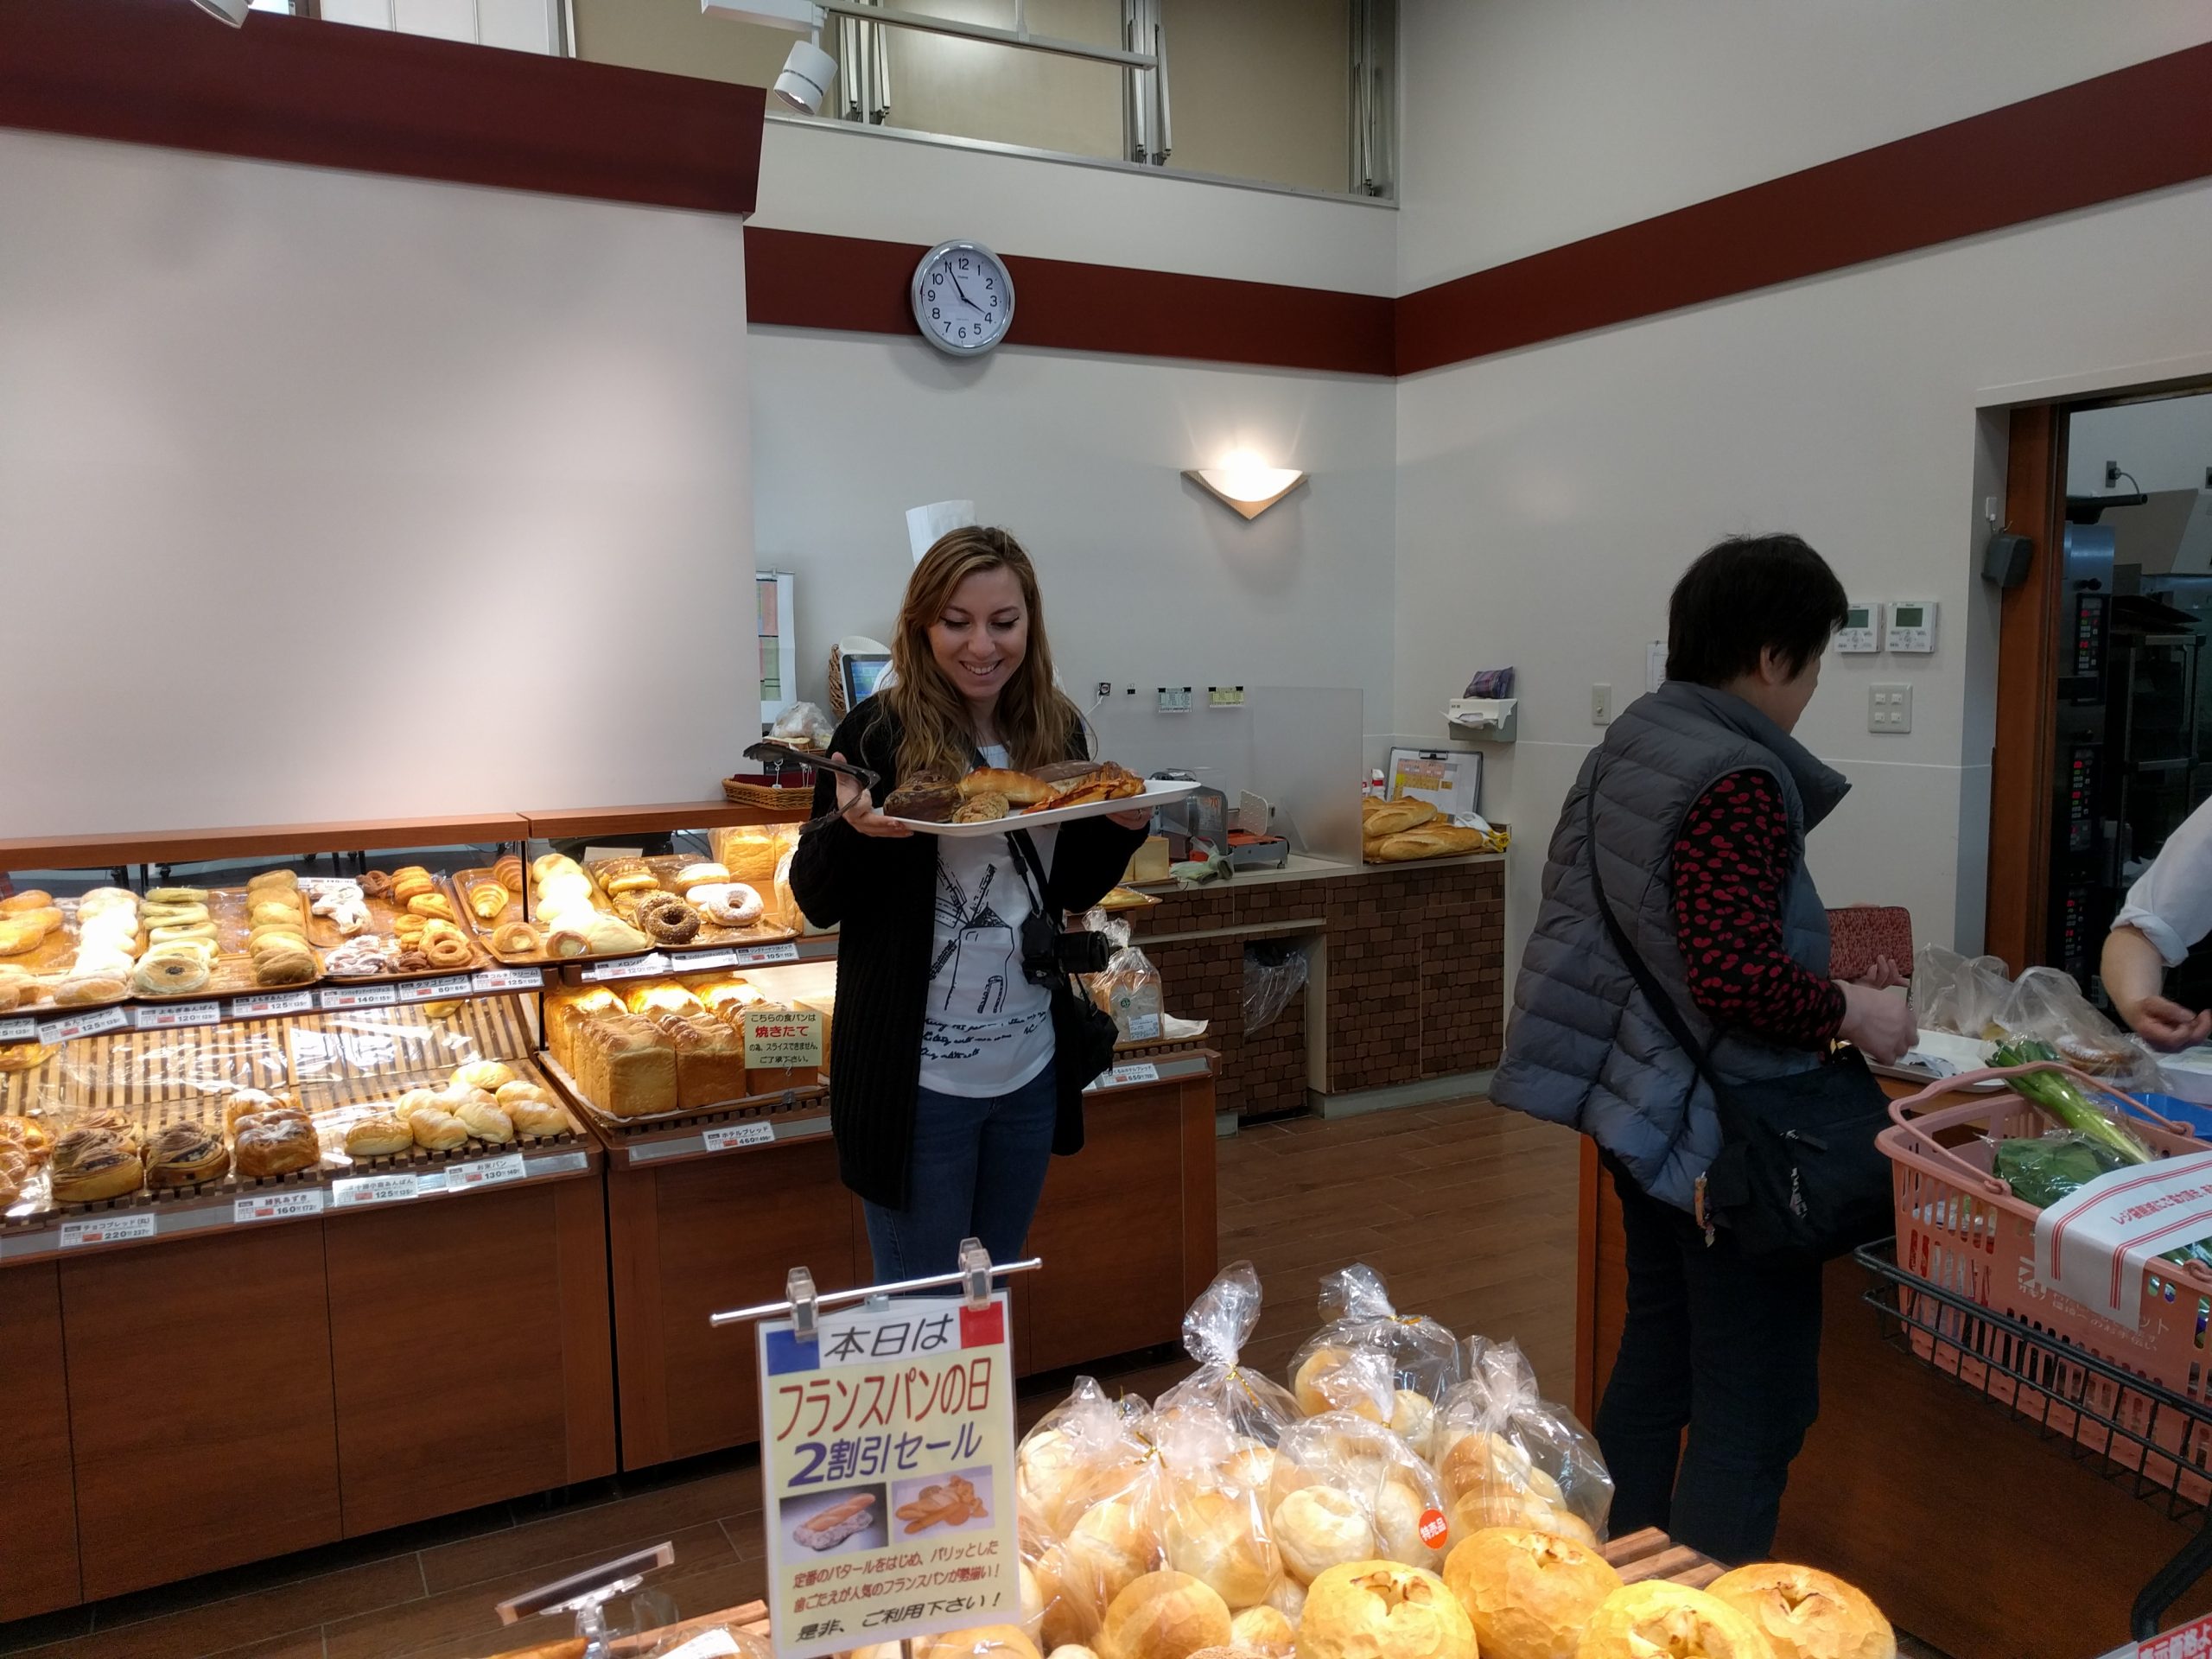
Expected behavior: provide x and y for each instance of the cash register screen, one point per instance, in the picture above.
(862, 676)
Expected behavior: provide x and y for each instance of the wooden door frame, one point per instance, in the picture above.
(2027, 649)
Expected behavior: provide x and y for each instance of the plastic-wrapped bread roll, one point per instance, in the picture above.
(1317, 1528)
(1164, 1615)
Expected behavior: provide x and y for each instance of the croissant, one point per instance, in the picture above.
(488, 899)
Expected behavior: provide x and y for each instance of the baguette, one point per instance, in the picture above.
(1430, 841)
(1396, 817)
(1018, 787)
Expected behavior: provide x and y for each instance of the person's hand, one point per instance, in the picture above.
(1884, 976)
(858, 808)
(1135, 819)
(1877, 1023)
(2165, 1026)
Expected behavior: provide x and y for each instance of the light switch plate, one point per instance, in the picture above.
(1889, 708)
(1601, 705)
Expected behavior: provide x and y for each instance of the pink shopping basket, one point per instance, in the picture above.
(1959, 1227)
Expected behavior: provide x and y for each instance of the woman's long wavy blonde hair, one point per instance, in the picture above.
(1036, 722)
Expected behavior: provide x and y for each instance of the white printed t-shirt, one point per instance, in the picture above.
(986, 1030)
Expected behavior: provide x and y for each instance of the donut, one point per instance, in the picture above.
(29, 899)
(446, 950)
(176, 895)
(668, 921)
(376, 884)
(730, 904)
(167, 973)
(514, 938)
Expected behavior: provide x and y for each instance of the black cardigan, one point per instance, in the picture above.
(881, 893)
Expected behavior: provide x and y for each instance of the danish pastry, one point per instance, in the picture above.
(24, 1057)
(90, 1165)
(276, 1144)
(514, 938)
(986, 808)
(184, 1154)
(362, 958)
(170, 974)
(28, 1136)
(29, 899)
(488, 899)
(435, 904)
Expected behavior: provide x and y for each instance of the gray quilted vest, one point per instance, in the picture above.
(1584, 1048)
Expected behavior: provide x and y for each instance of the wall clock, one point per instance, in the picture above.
(963, 299)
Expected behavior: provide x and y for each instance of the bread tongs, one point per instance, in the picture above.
(783, 754)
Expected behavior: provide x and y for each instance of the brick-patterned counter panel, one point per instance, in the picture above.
(1463, 974)
(1416, 975)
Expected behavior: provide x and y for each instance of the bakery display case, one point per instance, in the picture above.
(248, 1214)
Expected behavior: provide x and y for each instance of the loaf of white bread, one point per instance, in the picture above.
(664, 1047)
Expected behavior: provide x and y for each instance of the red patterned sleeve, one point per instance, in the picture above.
(1732, 867)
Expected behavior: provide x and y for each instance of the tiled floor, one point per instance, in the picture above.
(1467, 1211)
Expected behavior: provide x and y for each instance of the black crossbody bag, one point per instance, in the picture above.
(1083, 1034)
(1797, 1169)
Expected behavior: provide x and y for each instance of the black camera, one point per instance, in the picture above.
(1048, 954)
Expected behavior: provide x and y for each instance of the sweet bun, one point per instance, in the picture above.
(18, 986)
(485, 1121)
(29, 899)
(514, 938)
(1528, 1594)
(380, 1136)
(81, 988)
(1657, 1616)
(436, 1129)
(1165, 1615)
(537, 1117)
(1381, 1609)
(982, 1641)
(184, 1154)
(91, 1164)
(484, 1074)
(612, 935)
(1805, 1613)
(1264, 1631)
(550, 864)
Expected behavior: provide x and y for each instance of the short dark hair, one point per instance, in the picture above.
(1745, 596)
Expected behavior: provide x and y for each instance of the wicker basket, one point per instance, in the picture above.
(744, 791)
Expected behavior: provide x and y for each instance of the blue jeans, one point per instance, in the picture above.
(977, 1167)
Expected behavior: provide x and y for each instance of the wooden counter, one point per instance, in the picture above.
(1406, 986)
(1126, 1229)
(193, 1402)
(1968, 1528)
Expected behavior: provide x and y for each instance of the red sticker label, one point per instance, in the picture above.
(1435, 1529)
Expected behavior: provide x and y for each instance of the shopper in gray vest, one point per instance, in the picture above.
(1703, 803)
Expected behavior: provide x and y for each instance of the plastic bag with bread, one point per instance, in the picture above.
(1347, 1489)
(1370, 1360)
(1508, 1456)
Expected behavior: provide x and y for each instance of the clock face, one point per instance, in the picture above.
(964, 298)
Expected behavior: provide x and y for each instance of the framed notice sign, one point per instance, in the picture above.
(1448, 779)
(886, 1464)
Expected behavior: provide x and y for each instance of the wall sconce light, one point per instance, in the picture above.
(1245, 484)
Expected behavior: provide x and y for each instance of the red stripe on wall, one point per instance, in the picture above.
(802, 280)
(285, 89)
(2142, 128)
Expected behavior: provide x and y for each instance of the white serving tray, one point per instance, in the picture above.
(1156, 791)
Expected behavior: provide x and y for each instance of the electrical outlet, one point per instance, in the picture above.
(2111, 473)
(1889, 708)
(1601, 705)
(1174, 699)
(1105, 688)
(1225, 696)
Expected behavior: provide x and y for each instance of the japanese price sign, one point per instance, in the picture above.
(887, 1456)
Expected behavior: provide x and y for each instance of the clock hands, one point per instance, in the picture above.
(963, 292)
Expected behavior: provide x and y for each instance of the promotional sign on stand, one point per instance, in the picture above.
(887, 1462)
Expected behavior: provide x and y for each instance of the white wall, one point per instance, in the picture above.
(1548, 499)
(2166, 445)
(1147, 580)
(325, 495)
(840, 179)
(1532, 122)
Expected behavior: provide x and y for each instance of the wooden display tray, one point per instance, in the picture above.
(619, 1131)
(231, 974)
(710, 936)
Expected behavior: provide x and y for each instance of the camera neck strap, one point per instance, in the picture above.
(1031, 868)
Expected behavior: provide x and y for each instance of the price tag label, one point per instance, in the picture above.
(692, 961)
(279, 1205)
(627, 968)
(486, 1171)
(738, 1134)
(431, 1180)
(107, 1229)
(561, 1163)
(1122, 1077)
(510, 979)
(267, 1005)
(759, 956)
(436, 990)
(339, 997)
(322, 884)
(175, 1016)
(82, 1025)
(371, 1188)
(18, 1031)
